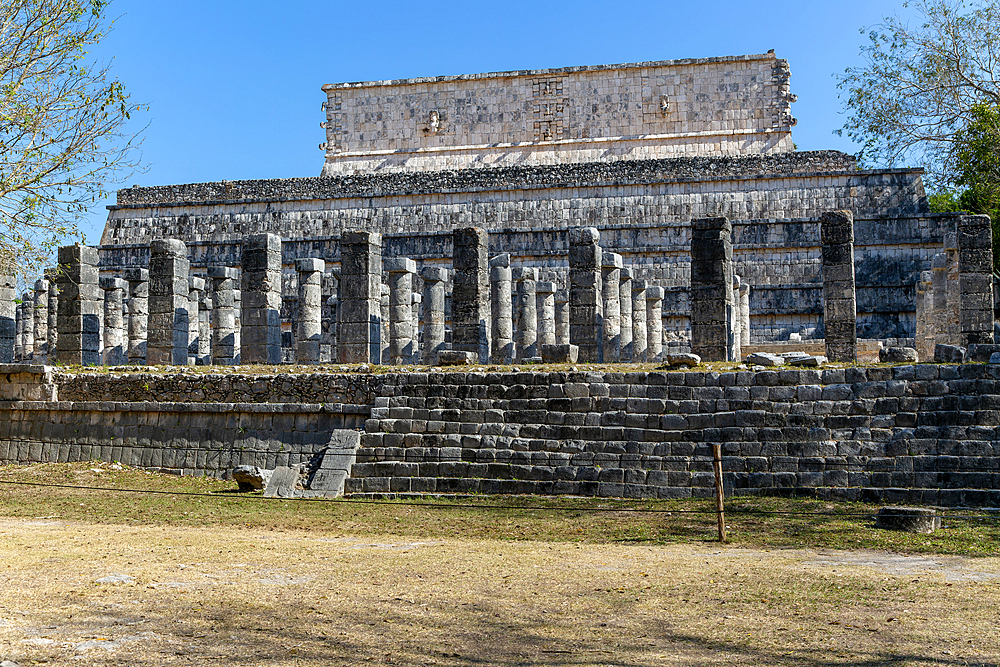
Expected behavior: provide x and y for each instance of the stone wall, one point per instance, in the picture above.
(131, 387)
(922, 434)
(730, 105)
(192, 438)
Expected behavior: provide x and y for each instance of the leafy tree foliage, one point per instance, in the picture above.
(919, 85)
(63, 124)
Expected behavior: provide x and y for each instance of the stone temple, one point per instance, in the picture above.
(636, 151)
(649, 212)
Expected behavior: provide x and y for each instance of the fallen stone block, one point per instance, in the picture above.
(683, 359)
(908, 519)
(284, 483)
(949, 354)
(457, 358)
(251, 478)
(765, 359)
(981, 352)
(560, 354)
(808, 361)
(897, 355)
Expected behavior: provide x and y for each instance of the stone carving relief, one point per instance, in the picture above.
(549, 121)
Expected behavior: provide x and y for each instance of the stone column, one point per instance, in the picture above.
(611, 268)
(138, 313)
(562, 316)
(41, 304)
(975, 266)
(8, 318)
(625, 308)
(953, 280)
(225, 349)
(921, 327)
(502, 310)
(435, 281)
(260, 291)
(525, 315)
(654, 324)
(80, 305)
(169, 304)
(415, 328)
(310, 309)
(940, 311)
(639, 347)
(737, 343)
(470, 298)
(745, 315)
(545, 313)
(196, 292)
(839, 301)
(711, 290)
(401, 271)
(52, 276)
(585, 326)
(383, 304)
(360, 334)
(114, 353)
(18, 331)
(926, 326)
(27, 326)
(205, 307)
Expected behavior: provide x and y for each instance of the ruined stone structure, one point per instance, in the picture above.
(629, 211)
(636, 151)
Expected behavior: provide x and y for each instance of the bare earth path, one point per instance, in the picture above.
(257, 597)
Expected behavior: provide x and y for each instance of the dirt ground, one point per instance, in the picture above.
(91, 594)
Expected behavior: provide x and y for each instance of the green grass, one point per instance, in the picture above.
(136, 497)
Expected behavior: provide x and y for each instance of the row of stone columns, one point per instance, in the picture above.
(954, 299)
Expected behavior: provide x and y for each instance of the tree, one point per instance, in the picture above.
(976, 169)
(63, 124)
(919, 87)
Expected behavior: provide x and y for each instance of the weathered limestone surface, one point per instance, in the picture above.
(225, 349)
(608, 112)
(585, 307)
(51, 275)
(169, 304)
(975, 265)
(612, 318)
(360, 339)
(80, 306)
(41, 306)
(310, 279)
(114, 353)
(625, 309)
(639, 340)
(502, 310)
(8, 322)
(525, 313)
(196, 293)
(562, 316)
(435, 280)
(654, 324)
(260, 290)
(470, 300)
(711, 289)
(545, 311)
(138, 313)
(401, 334)
(839, 297)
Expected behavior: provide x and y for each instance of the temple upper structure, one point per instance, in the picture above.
(729, 106)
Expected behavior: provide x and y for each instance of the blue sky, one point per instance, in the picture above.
(234, 86)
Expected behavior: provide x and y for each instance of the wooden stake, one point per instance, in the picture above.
(719, 491)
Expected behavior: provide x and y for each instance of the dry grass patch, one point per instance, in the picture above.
(196, 595)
